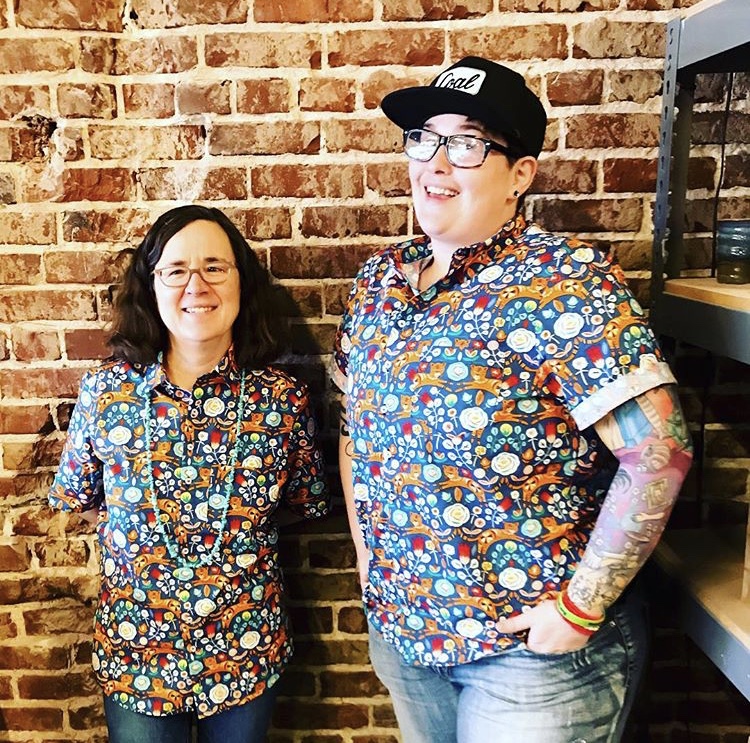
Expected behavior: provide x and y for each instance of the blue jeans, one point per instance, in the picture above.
(579, 697)
(246, 723)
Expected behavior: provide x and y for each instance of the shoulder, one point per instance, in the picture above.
(279, 381)
(563, 253)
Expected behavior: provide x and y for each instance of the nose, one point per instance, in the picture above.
(439, 161)
(196, 283)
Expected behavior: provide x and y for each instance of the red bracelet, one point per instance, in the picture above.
(573, 609)
(577, 627)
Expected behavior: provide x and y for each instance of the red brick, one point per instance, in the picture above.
(377, 85)
(271, 49)
(335, 295)
(318, 261)
(556, 175)
(35, 383)
(603, 39)
(85, 343)
(150, 14)
(312, 11)
(296, 683)
(199, 98)
(87, 716)
(63, 687)
(634, 85)
(15, 418)
(312, 339)
(58, 619)
(78, 184)
(7, 189)
(78, 15)
(14, 559)
(85, 266)
(34, 344)
(30, 455)
(346, 221)
(351, 684)
(632, 255)
(150, 143)
(575, 88)
(20, 268)
(18, 305)
(364, 135)
(263, 96)
(29, 229)
(590, 215)
(8, 630)
(98, 54)
(265, 138)
(613, 130)
(161, 54)
(326, 94)
(21, 55)
(434, 10)
(547, 41)
(557, 6)
(148, 101)
(191, 182)
(36, 657)
(737, 171)
(410, 46)
(303, 300)
(24, 100)
(87, 101)
(389, 179)
(630, 174)
(352, 621)
(301, 715)
(262, 224)
(61, 553)
(308, 181)
(32, 718)
(113, 225)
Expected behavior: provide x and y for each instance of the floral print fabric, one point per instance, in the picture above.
(477, 473)
(162, 644)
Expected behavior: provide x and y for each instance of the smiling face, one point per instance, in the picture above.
(198, 316)
(461, 206)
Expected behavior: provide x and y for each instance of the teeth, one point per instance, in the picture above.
(195, 310)
(440, 191)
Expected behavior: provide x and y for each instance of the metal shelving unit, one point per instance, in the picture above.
(713, 36)
(702, 571)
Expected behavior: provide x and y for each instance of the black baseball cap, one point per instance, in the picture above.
(480, 89)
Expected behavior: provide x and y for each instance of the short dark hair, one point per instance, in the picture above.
(138, 333)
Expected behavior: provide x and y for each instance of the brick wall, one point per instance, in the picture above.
(113, 111)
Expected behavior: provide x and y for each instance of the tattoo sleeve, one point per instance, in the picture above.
(343, 421)
(649, 437)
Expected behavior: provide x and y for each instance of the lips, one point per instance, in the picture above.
(197, 310)
(438, 191)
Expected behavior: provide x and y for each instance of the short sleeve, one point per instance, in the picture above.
(598, 348)
(78, 484)
(306, 493)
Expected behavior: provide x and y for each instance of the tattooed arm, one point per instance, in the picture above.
(347, 484)
(649, 437)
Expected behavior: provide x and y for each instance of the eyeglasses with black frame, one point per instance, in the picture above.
(216, 272)
(462, 150)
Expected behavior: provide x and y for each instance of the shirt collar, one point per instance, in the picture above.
(226, 371)
(418, 248)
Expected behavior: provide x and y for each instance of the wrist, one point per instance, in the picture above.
(581, 621)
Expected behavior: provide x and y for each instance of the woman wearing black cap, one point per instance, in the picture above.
(512, 441)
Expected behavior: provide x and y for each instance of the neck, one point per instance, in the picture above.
(184, 365)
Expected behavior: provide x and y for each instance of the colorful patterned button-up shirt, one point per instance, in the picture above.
(165, 641)
(477, 473)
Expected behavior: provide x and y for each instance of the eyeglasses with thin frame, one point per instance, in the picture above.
(176, 276)
(462, 150)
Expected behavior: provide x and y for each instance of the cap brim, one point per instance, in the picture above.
(409, 108)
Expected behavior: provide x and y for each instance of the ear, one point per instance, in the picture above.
(524, 170)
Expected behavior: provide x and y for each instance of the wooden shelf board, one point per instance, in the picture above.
(709, 290)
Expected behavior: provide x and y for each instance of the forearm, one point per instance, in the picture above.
(637, 506)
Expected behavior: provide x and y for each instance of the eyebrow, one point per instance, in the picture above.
(471, 124)
(210, 259)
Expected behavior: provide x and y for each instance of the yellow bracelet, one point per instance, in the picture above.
(590, 625)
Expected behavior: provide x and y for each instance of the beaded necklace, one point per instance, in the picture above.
(186, 567)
